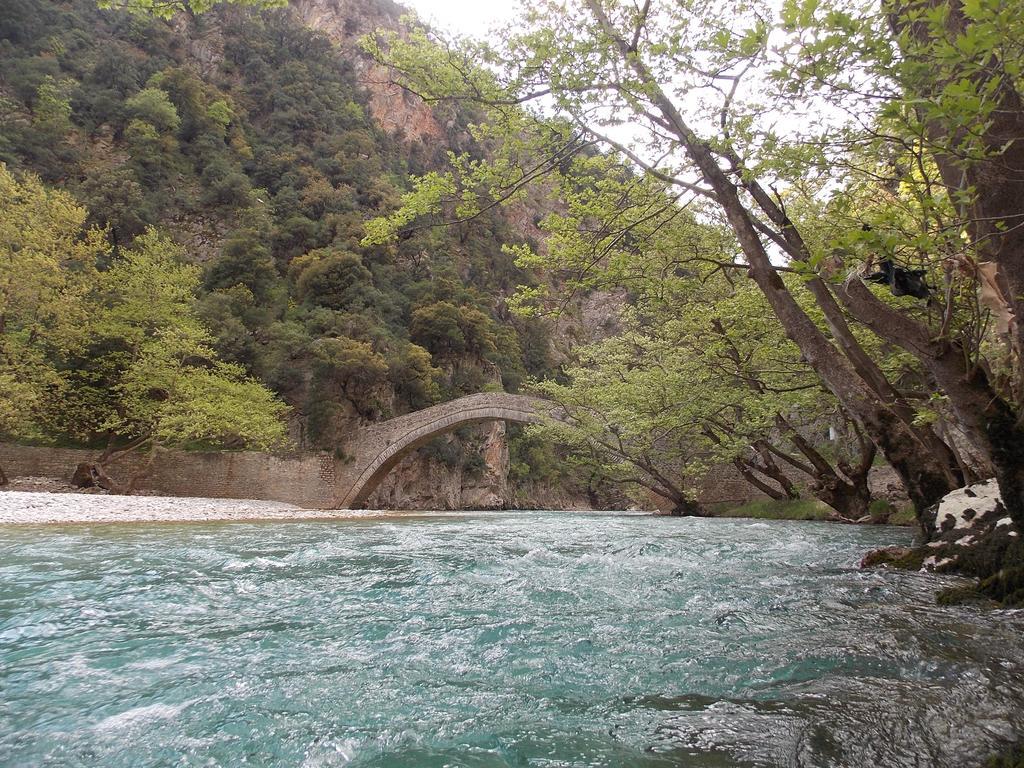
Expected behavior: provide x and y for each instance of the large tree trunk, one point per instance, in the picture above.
(1004, 430)
(996, 180)
(990, 423)
(846, 491)
(683, 505)
(688, 508)
(769, 467)
(968, 389)
(996, 185)
(926, 480)
(789, 238)
(143, 472)
(3, 476)
(90, 474)
(851, 499)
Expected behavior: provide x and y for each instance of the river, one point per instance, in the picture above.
(491, 639)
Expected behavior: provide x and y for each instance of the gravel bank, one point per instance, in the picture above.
(27, 507)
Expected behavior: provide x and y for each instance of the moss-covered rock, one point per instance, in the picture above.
(905, 558)
(1013, 758)
(966, 595)
(971, 534)
(1006, 586)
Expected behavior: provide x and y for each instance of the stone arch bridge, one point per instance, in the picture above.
(377, 448)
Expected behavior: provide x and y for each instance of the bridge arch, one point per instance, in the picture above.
(384, 445)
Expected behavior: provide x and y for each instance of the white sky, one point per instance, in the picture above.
(466, 17)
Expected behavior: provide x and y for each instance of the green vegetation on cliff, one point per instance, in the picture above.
(246, 139)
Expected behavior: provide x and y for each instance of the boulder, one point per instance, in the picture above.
(970, 533)
(83, 477)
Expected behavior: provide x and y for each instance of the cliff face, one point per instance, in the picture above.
(422, 480)
(344, 22)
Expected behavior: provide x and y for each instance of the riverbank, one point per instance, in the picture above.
(30, 501)
(40, 508)
(811, 509)
(36, 504)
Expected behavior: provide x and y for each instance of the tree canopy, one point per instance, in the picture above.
(838, 141)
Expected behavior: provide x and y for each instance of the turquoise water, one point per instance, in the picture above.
(507, 639)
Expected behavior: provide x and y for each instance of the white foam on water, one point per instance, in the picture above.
(141, 715)
(330, 754)
(158, 663)
(29, 631)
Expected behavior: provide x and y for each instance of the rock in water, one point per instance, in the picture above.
(966, 508)
(969, 533)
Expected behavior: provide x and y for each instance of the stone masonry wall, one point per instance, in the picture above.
(724, 485)
(304, 480)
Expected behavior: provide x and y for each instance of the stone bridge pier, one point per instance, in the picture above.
(377, 448)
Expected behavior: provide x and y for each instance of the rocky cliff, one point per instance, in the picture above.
(344, 22)
(423, 480)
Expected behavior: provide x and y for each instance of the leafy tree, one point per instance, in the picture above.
(151, 105)
(941, 106)
(52, 109)
(244, 260)
(346, 371)
(232, 314)
(117, 201)
(699, 376)
(152, 379)
(657, 70)
(438, 328)
(448, 330)
(40, 126)
(413, 376)
(170, 389)
(47, 269)
(153, 155)
(629, 426)
(336, 280)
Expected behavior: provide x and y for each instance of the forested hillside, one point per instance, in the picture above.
(249, 139)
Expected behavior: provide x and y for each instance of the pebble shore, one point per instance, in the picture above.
(33, 508)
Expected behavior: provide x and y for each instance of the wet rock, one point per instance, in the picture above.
(908, 558)
(1012, 758)
(973, 507)
(970, 533)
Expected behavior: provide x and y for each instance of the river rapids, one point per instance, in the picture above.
(492, 639)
